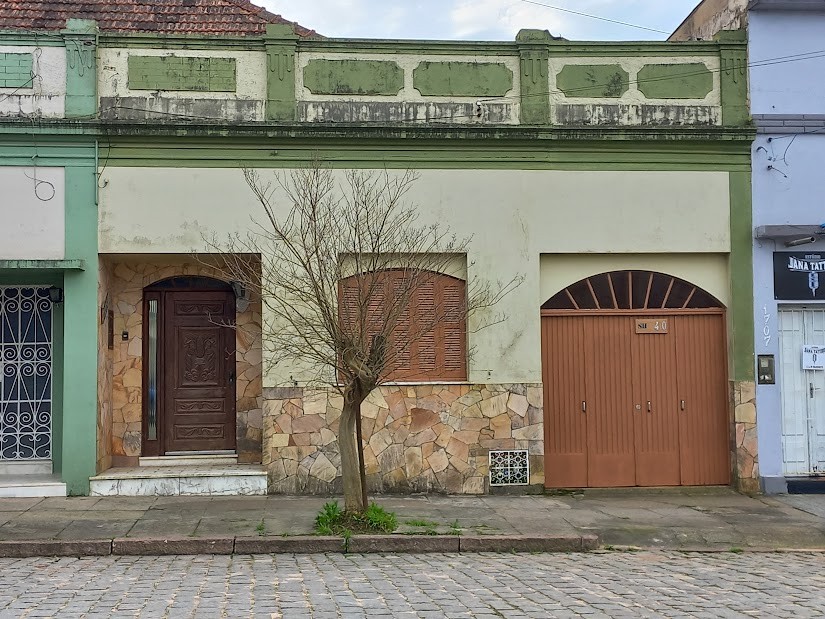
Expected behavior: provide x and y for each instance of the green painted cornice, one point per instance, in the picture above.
(399, 131)
(43, 265)
(407, 46)
(149, 40)
(433, 147)
(31, 38)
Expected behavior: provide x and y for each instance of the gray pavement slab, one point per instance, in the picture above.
(711, 518)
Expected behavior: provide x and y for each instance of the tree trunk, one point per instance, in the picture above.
(362, 467)
(350, 462)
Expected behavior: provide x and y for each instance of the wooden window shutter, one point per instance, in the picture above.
(420, 353)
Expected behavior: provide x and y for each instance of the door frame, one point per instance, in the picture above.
(157, 291)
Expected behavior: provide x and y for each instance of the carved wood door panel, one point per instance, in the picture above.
(198, 410)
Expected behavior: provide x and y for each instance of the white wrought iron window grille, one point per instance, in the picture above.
(26, 371)
(509, 468)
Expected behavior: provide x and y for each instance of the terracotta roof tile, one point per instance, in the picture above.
(230, 17)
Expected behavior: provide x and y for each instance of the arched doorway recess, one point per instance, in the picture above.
(635, 383)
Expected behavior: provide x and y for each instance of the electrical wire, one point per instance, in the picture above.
(588, 15)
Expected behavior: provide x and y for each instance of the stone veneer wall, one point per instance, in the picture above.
(128, 281)
(746, 448)
(422, 438)
(104, 375)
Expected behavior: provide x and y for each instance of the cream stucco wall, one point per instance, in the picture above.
(46, 94)
(513, 216)
(32, 213)
(250, 73)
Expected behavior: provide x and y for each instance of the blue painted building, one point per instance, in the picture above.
(787, 97)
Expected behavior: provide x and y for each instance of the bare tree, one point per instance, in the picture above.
(342, 267)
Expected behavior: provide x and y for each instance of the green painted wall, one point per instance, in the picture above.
(734, 77)
(80, 312)
(534, 56)
(462, 79)
(740, 319)
(675, 81)
(608, 81)
(15, 70)
(176, 73)
(353, 77)
(80, 37)
(281, 45)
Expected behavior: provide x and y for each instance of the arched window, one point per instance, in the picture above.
(425, 314)
(631, 290)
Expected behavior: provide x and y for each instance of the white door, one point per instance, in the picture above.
(803, 392)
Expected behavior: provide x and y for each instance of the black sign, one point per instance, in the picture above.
(799, 276)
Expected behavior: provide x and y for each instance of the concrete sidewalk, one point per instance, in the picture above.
(686, 519)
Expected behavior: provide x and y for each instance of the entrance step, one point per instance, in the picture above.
(202, 480)
(29, 486)
(193, 460)
(806, 485)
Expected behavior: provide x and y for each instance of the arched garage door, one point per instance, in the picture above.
(635, 384)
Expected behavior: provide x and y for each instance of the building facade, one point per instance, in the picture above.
(614, 178)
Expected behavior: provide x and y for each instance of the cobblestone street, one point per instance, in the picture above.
(641, 584)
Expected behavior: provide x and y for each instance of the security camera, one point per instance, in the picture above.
(805, 240)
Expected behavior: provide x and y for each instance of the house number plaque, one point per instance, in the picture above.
(651, 326)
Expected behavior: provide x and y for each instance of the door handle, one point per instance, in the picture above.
(231, 377)
(682, 404)
(811, 390)
(584, 406)
(649, 407)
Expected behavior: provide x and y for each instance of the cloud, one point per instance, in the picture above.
(501, 19)
(479, 19)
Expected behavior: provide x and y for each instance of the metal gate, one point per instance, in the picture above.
(26, 371)
(635, 383)
(803, 392)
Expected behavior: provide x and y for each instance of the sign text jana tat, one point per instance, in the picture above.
(813, 357)
(799, 276)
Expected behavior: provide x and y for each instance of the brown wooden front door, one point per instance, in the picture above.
(190, 405)
(199, 402)
(635, 383)
(628, 409)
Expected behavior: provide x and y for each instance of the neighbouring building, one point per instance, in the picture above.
(788, 108)
(48, 261)
(614, 177)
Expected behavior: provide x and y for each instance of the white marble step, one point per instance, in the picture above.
(193, 460)
(29, 486)
(225, 480)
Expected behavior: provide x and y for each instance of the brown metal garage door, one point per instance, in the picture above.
(634, 396)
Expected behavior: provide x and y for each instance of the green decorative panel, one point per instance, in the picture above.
(15, 70)
(675, 81)
(462, 79)
(178, 73)
(593, 81)
(353, 77)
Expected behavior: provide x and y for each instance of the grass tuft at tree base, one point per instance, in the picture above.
(331, 520)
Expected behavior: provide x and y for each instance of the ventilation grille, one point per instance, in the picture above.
(509, 468)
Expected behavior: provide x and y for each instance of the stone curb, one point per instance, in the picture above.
(363, 544)
(173, 546)
(299, 544)
(527, 543)
(55, 548)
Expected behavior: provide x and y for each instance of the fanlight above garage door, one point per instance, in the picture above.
(631, 290)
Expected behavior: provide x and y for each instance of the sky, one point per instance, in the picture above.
(483, 19)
